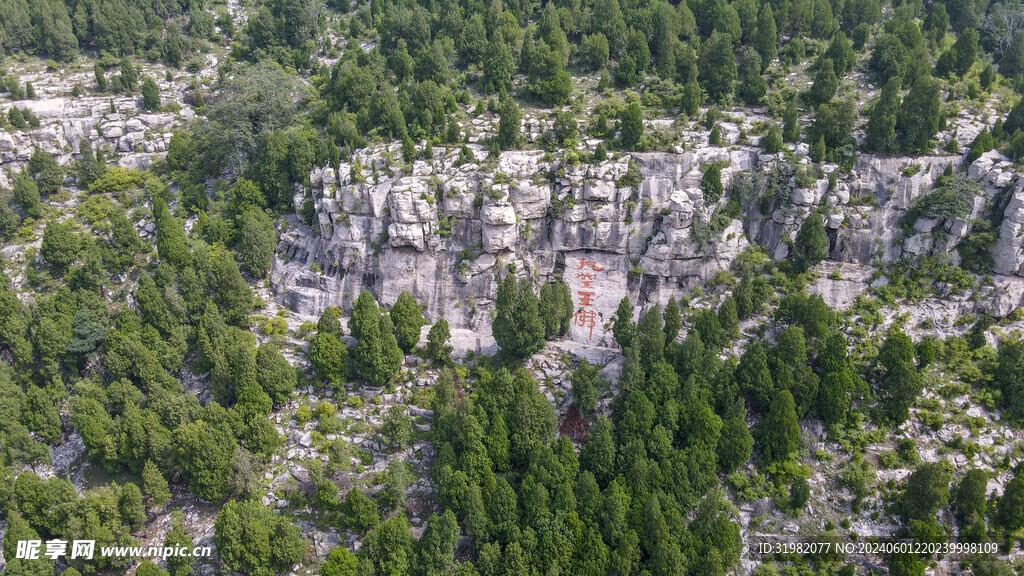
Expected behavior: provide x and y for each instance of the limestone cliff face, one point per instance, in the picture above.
(135, 136)
(444, 231)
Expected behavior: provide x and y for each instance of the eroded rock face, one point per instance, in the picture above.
(115, 124)
(444, 232)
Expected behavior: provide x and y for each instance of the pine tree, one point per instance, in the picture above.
(811, 244)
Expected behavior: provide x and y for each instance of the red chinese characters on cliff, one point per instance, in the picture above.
(586, 316)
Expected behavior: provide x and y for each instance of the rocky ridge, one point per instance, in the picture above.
(442, 230)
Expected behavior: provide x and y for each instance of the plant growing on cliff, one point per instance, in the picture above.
(623, 328)
(711, 183)
(952, 199)
(509, 131)
(779, 432)
(150, 94)
(518, 328)
(632, 126)
(377, 356)
(811, 245)
(407, 316)
(556, 308)
(255, 240)
(438, 348)
(251, 538)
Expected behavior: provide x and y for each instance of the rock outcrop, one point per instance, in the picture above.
(636, 225)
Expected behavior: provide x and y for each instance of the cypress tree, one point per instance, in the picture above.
(811, 245)
(825, 84)
(766, 35)
(790, 122)
(623, 328)
(632, 126)
(509, 130)
(517, 329)
(780, 432)
(407, 316)
(919, 117)
(717, 66)
(880, 132)
(377, 356)
(673, 320)
(711, 183)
